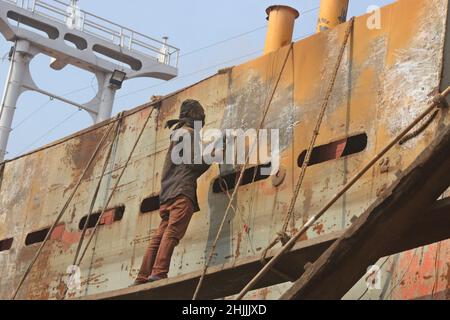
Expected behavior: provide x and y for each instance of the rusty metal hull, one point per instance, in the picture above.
(387, 77)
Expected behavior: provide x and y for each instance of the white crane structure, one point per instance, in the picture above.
(71, 36)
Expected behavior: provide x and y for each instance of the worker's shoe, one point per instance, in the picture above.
(155, 278)
(138, 283)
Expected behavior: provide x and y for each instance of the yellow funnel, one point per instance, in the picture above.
(332, 13)
(281, 27)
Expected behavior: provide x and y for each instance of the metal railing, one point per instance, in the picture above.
(61, 11)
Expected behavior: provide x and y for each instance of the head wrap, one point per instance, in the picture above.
(191, 111)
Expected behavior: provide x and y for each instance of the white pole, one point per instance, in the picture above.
(19, 65)
(108, 94)
(8, 79)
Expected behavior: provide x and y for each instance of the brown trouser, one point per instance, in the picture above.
(175, 216)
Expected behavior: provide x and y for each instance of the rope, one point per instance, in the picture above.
(115, 186)
(420, 130)
(225, 189)
(245, 225)
(216, 240)
(432, 106)
(94, 198)
(439, 101)
(282, 235)
(62, 211)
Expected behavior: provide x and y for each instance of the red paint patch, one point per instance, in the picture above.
(58, 232)
(422, 275)
(319, 229)
(108, 218)
(70, 238)
(67, 238)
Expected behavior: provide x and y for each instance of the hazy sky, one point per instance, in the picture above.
(190, 25)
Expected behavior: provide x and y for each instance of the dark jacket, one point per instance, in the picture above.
(181, 179)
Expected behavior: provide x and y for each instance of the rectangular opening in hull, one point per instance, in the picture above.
(335, 150)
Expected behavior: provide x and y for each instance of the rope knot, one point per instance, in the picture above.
(283, 237)
(440, 101)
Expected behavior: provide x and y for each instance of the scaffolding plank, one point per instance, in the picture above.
(431, 227)
(385, 225)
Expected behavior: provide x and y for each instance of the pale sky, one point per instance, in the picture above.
(190, 25)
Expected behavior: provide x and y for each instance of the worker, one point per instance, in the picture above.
(178, 196)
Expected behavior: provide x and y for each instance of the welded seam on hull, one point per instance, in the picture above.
(2, 170)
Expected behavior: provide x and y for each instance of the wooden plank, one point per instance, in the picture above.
(432, 226)
(226, 280)
(385, 223)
